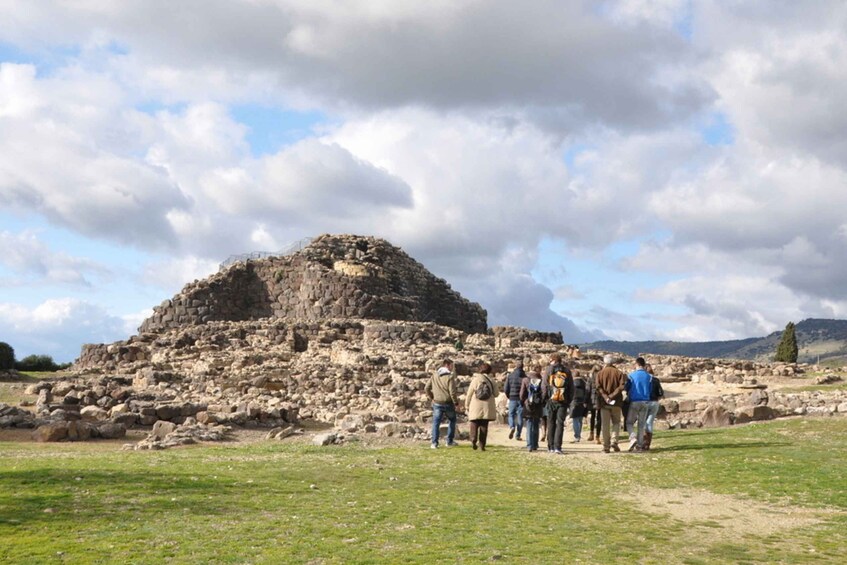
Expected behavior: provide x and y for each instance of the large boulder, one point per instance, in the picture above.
(53, 431)
(746, 414)
(716, 416)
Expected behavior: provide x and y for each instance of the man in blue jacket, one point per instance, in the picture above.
(638, 389)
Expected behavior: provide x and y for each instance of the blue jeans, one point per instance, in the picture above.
(532, 425)
(577, 427)
(637, 422)
(516, 416)
(652, 410)
(438, 413)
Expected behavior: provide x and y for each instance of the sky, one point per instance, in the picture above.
(633, 169)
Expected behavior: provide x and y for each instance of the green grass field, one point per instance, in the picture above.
(765, 493)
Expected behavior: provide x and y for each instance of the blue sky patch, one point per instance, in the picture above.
(271, 129)
(718, 130)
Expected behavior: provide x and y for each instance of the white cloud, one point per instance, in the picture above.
(34, 262)
(565, 57)
(58, 327)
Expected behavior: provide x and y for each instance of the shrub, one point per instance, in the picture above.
(7, 356)
(37, 363)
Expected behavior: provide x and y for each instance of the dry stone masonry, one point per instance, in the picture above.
(346, 332)
(333, 277)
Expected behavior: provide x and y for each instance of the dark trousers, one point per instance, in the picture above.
(556, 425)
(594, 422)
(479, 432)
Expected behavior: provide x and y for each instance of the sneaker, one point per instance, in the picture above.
(558, 452)
(452, 444)
(512, 433)
(633, 445)
(605, 451)
(434, 446)
(474, 445)
(615, 447)
(519, 438)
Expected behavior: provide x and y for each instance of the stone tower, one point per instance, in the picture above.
(336, 276)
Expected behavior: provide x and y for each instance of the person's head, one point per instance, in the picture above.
(609, 360)
(649, 368)
(519, 364)
(484, 368)
(536, 368)
(556, 359)
(640, 362)
(447, 362)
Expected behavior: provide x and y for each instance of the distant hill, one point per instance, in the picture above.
(816, 338)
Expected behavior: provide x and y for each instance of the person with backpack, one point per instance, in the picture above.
(611, 383)
(513, 391)
(444, 393)
(481, 405)
(579, 404)
(533, 395)
(656, 394)
(559, 395)
(638, 386)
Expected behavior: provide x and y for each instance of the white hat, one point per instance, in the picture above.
(443, 371)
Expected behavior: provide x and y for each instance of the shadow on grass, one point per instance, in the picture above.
(48, 495)
(711, 446)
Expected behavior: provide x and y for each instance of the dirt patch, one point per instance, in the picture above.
(737, 515)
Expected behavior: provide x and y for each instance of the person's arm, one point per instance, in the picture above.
(623, 382)
(524, 393)
(661, 391)
(508, 386)
(454, 391)
(428, 389)
(569, 389)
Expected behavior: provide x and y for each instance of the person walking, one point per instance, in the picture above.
(638, 388)
(444, 394)
(559, 395)
(513, 391)
(656, 394)
(533, 396)
(579, 404)
(611, 382)
(593, 408)
(480, 402)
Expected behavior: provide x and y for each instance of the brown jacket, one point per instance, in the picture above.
(481, 409)
(610, 382)
(443, 389)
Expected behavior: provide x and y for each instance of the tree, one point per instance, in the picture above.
(7, 356)
(37, 363)
(787, 350)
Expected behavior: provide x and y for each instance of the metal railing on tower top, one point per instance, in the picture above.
(288, 249)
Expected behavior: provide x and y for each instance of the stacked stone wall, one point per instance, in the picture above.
(336, 277)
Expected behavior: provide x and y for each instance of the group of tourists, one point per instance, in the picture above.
(542, 399)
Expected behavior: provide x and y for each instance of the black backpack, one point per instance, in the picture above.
(533, 398)
(580, 391)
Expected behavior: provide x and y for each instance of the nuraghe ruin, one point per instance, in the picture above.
(345, 331)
